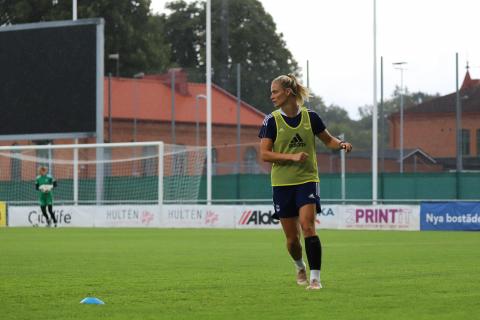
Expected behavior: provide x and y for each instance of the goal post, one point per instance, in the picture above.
(105, 173)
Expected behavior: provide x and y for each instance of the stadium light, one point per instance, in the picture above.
(197, 129)
(400, 66)
(116, 56)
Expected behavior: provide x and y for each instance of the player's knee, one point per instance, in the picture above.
(308, 229)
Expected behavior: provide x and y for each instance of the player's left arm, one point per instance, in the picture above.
(319, 129)
(333, 142)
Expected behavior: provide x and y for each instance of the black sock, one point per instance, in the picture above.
(313, 247)
(44, 212)
(50, 209)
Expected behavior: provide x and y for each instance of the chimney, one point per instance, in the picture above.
(181, 80)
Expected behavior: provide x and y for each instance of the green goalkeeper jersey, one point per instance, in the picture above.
(45, 198)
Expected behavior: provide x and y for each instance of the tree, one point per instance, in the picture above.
(390, 106)
(183, 29)
(242, 32)
(130, 28)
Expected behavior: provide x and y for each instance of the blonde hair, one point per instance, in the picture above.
(289, 81)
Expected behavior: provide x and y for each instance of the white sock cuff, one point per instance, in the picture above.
(315, 274)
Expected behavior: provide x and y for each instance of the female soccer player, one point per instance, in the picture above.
(45, 184)
(288, 141)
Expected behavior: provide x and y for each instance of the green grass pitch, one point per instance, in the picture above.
(235, 274)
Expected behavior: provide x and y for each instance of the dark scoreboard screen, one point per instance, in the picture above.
(48, 80)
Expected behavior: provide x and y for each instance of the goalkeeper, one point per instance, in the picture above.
(45, 184)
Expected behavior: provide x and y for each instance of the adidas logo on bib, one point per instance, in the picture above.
(296, 142)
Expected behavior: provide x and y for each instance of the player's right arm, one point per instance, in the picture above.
(268, 135)
(267, 155)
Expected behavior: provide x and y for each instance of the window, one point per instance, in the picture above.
(250, 160)
(465, 142)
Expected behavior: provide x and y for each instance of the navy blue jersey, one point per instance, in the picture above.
(269, 127)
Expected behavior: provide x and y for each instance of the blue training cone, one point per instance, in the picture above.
(92, 300)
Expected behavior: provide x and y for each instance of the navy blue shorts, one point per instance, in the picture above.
(287, 200)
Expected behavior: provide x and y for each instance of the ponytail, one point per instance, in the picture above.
(289, 81)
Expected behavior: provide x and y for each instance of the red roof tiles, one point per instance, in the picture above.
(150, 99)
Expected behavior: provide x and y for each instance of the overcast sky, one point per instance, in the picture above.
(336, 37)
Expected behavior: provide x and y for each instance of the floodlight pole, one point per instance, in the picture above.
(74, 10)
(172, 100)
(374, 111)
(239, 100)
(458, 120)
(382, 133)
(401, 120)
(99, 175)
(116, 56)
(197, 116)
(137, 76)
(209, 103)
(109, 107)
(342, 165)
(136, 103)
(75, 173)
(399, 66)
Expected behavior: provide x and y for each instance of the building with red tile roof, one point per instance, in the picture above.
(141, 110)
(149, 99)
(431, 126)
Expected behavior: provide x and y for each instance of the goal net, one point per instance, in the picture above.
(111, 173)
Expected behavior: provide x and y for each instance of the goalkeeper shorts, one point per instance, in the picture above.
(46, 199)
